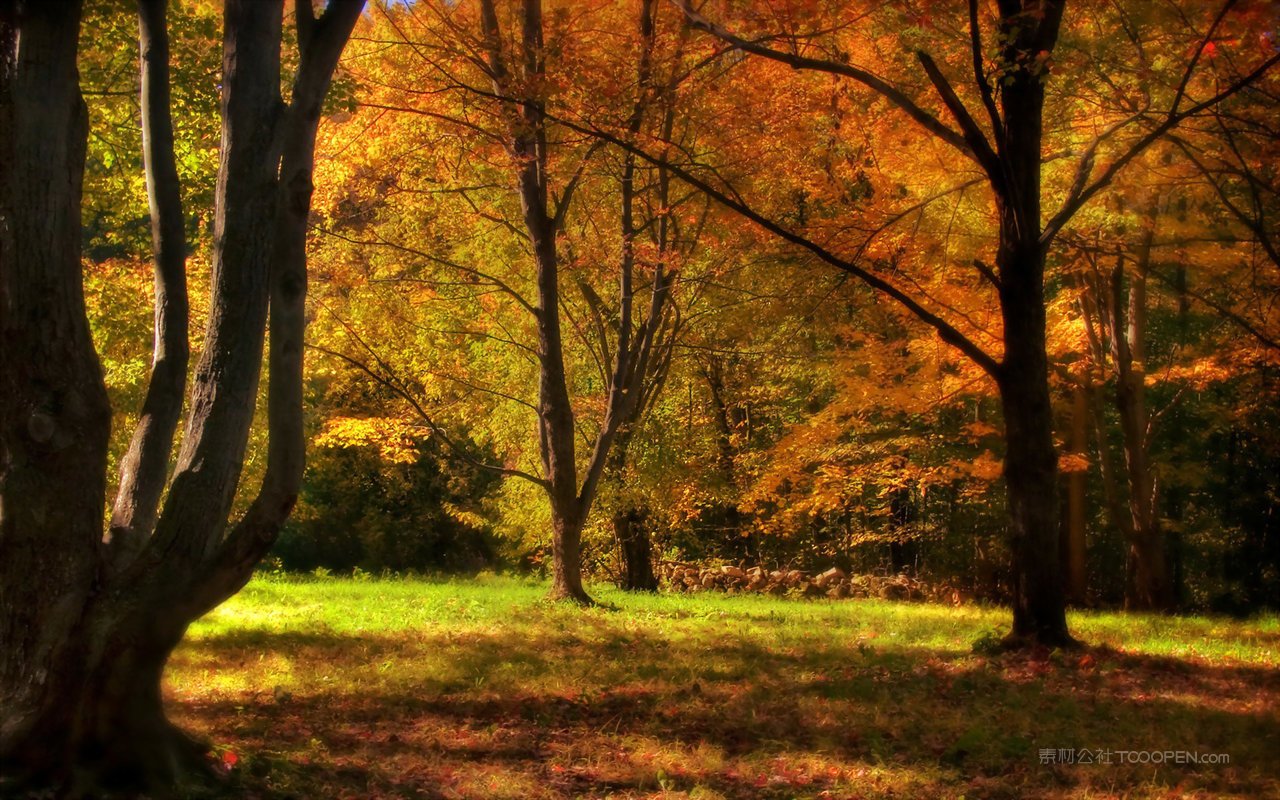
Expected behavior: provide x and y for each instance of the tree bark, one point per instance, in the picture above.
(1148, 585)
(86, 627)
(144, 468)
(54, 413)
(1031, 461)
(1075, 522)
(637, 551)
(566, 550)
(1031, 479)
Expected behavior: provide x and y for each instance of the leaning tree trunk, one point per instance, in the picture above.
(144, 467)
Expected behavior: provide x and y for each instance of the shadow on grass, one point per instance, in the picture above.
(626, 713)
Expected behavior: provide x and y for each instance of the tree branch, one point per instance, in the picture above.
(945, 330)
(882, 87)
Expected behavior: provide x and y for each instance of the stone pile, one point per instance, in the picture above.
(834, 583)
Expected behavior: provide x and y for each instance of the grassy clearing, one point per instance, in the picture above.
(480, 689)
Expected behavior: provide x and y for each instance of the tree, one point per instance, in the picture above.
(551, 313)
(87, 622)
(1115, 311)
(1008, 150)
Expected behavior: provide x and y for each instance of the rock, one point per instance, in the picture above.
(831, 576)
(732, 572)
(894, 591)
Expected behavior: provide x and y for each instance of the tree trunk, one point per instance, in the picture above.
(1074, 550)
(1031, 462)
(566, 550)
(1148, 586)
(54, 413)
(637, 557)
(84, 638)
(571, 492)
(109, 701)
(1031, 478)
(144, 468)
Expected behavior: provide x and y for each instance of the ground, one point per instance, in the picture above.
(335, 688)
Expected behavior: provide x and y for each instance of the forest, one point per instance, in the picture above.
(639, 398)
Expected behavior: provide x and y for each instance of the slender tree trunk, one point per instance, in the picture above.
(902, 550)
(570, 495)
(1176, 496)
(1148, 586)
(144, 468)
(556, 430)
(1075, 554)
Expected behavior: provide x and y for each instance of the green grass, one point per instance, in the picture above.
(481, 689)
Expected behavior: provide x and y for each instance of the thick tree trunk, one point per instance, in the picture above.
(566, 550)
(1031, 478)
(54, 413)
(83, 647)
(106, 729)
(1031, 462)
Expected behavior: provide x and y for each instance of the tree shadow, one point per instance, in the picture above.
(630, 713)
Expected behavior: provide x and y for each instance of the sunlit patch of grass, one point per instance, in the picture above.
(481, 688)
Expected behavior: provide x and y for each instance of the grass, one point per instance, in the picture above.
(480, 689)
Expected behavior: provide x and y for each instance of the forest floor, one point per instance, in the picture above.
(337, 688)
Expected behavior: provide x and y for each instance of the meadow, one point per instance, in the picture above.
(343, 688)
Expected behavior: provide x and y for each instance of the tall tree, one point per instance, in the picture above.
(87, 621)
(1008, 150)
(585, 348)
(1115, 311)
(520, 77)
